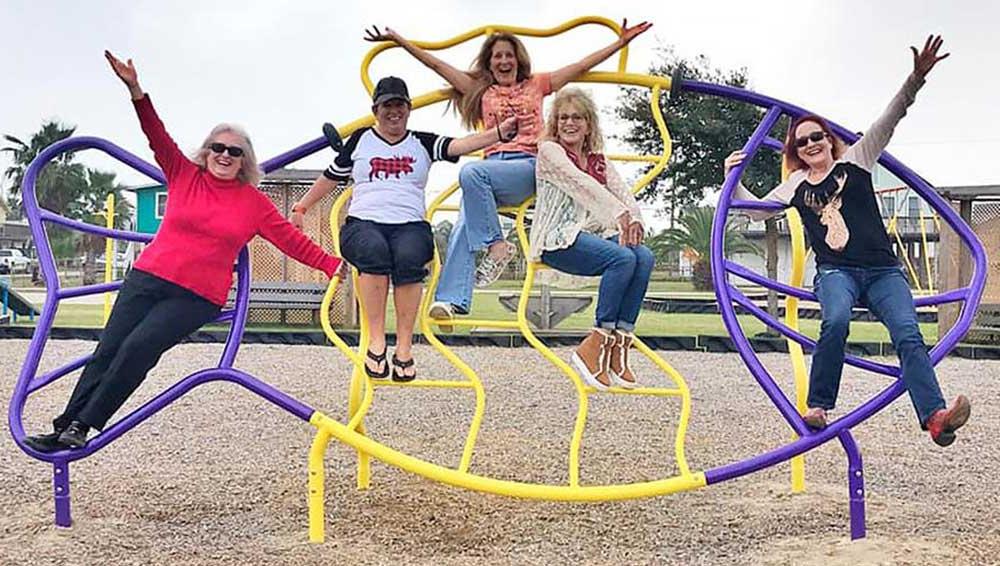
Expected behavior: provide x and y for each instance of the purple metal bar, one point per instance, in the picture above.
(810, 344)
(722, 287)
(239, 309)
(60, 488)
(808, 441)
(45, 379)
(295, 154)
(88, 290)
(855, 483)
(740, 271)
(112, 233)
(953, 296)
(757, 205)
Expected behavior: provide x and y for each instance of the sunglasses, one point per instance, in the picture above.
(813, 137)
(234, 151)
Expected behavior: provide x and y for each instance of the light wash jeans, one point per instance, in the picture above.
(502, 179)
(624, 272)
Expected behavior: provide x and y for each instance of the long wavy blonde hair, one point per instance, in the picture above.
(593, 142)
(249, 172)
(469, 105)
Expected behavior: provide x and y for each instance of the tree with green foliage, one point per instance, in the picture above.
(68, 188)
(704, 130)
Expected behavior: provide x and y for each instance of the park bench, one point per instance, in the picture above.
(285, 296)
(546, 310)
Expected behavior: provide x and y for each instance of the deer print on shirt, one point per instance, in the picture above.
(837, 233)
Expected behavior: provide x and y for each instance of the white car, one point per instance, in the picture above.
(14, 261)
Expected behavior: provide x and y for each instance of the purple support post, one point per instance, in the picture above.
(60, 486)
(855, 483)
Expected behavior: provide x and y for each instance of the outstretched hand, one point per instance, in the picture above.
(375, 35)
(924, 61)
(630, 33)
(125, 71)
(507, 130)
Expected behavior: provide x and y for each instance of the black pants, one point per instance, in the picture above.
(150, 316)
(398, 250)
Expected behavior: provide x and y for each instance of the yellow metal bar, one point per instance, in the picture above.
(676, 484)
(317, 519)
(489, 30)
(485, 323)
(427, 328)
(927, 256)
(685, 395)
(109, 252)
(906, 256)
(797, 234)
(422, 383)
(639, 158)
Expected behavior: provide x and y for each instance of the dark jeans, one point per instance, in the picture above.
(887, 294)
(150, 316)
(624, 275)
(398, 250)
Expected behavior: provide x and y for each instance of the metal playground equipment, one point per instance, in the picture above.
(362, 390)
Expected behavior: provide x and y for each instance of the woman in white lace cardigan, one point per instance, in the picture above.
(587, 223)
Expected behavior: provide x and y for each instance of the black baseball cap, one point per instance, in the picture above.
(390, 88)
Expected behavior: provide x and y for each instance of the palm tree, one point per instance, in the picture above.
(54, 179)
(695, 239)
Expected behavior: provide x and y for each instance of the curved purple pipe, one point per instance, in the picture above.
(27, 383)
(971, 294)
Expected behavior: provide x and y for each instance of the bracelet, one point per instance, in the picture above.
(299, 208)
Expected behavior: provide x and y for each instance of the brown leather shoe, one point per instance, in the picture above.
(815, 418)
(592, 358)
(621, 373)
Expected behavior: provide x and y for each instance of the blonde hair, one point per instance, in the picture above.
(593, 142)
(249, 172)
(469, 105)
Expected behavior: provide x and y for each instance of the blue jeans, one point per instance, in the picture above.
(624, 275)
(502, 179)
(887, 294)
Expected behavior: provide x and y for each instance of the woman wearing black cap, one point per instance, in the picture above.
(385, 236)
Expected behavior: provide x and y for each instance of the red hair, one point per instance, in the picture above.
(791, 153)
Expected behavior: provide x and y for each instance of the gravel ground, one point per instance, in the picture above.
(220, 476)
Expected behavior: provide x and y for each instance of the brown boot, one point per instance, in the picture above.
(592, 356)
(621, 373)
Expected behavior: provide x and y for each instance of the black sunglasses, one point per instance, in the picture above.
(233, 150)
(813, 137)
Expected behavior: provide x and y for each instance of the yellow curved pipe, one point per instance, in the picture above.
(489, 30)
(546, 492)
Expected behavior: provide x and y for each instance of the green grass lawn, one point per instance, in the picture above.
(486, 306)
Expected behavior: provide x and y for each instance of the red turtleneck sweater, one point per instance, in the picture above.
(208, 220)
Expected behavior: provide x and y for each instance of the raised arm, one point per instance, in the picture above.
(571, 72)
(865, 152)
(781, 194)
(505, 131)
(170, 158)
(460, 80)
(293, 243)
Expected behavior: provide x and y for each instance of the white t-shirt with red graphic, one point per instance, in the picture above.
(389, 178)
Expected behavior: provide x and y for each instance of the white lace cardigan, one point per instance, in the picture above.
(569, 201)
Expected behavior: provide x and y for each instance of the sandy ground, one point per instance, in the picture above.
(220, 476)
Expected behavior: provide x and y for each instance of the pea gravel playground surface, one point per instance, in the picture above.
(219, 477)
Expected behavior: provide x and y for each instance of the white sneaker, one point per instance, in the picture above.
(491, 269)
(442, 312)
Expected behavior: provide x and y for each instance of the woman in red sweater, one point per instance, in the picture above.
(182, 279)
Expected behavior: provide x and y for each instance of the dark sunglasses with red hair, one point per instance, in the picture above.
(816, 136)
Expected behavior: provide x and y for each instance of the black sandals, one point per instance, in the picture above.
(378, 359)
(398, 364)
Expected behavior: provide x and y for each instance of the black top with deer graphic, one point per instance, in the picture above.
(389, 178)
(840, 213)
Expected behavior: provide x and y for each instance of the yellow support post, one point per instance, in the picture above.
(109, 252)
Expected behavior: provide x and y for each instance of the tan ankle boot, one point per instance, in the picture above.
(592, 356)
(621, 372)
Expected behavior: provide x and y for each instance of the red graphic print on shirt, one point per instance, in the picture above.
(395, 166)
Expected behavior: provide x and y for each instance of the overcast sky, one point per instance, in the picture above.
(282, 69)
